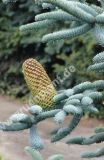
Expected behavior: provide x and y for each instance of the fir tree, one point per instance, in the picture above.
(81, 98)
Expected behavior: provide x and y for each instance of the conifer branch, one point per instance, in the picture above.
(66, 34)
(81, 98)
(56, 15)
(36, 25)
(72, 8)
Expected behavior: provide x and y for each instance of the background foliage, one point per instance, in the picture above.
(15, 48)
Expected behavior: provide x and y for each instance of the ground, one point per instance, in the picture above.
(12, 143)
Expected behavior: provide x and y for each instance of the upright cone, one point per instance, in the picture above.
(39, 83)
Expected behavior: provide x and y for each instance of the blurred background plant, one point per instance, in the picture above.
(1, 157)
(15, 48)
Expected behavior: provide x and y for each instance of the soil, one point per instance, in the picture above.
(12, 144)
